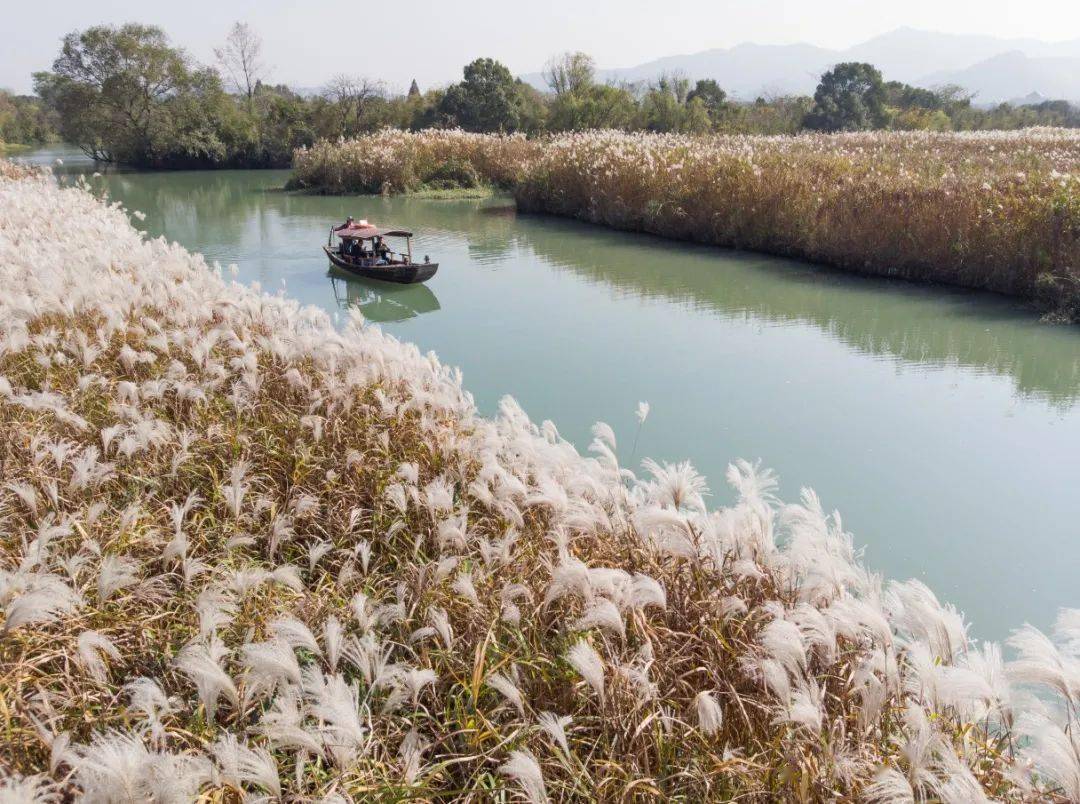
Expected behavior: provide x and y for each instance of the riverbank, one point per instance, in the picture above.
(998, 211)
(14, 149)
(303, 564)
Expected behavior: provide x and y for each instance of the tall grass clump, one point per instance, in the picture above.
(992, 210)
(394, 161)
(245, 553)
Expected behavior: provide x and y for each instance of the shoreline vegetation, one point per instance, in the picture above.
(129, 95)
(246, 552)
(997, 211)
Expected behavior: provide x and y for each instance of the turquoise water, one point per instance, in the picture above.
(944, 425)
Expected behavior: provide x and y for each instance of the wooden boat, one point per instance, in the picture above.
(362, 250)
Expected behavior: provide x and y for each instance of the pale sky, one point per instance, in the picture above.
(307, 42)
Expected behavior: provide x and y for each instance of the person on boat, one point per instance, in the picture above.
(382, 251)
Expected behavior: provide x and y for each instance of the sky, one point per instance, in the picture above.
(305, 43)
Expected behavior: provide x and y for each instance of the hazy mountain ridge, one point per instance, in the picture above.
(996, 69)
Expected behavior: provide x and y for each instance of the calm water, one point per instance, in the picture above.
(944, 426)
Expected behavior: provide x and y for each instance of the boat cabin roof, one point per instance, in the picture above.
(366, 231)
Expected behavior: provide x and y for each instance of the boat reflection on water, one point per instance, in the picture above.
(381, 302)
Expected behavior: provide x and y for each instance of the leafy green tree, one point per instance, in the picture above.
(24, 120)
(487, 100)
(595, 106)
(850, 97)
(125, 94)
(712, 97)
(667, 106)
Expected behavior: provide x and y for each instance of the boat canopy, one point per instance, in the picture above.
(363, 230)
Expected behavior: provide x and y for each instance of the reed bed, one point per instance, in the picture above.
(246, 553)
(394, 161)
(998, 211)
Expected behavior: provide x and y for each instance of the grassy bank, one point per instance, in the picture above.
(12, 149)
(997, 211)
(244, 551)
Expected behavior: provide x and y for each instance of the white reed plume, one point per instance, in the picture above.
(508, 688)
(269, 665)
(523, 768)
(117, 766)
(146, 697)
(464, 586)
(239, 764)
(215, 609)
(93, 646)
(333, 637)
(237, 487)
(282, 724)
(35, 598)
(201, 663)
(35, 789)
(114, 574)
(676, 485)
(316, 552)
(1054, 751)
(555, 727)
(646, 591)
(441, 623)
(295, 633)
(411, 754)
(783, 641)
(603, 614)
(583, 658)
(710, 716)
(363, 552)
(361, 611)
(1041, 662)
(336, 705)
(889, 786)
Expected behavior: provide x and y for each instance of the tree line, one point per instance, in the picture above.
(128, 95)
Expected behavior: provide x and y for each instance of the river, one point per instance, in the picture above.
(943, 424)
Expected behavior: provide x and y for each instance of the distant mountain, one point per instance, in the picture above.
(978, 63)
(748, 70)
(1012, 75)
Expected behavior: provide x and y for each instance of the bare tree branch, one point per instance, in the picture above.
(241, 58)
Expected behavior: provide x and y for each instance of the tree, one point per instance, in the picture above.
(114, 89)
(712, 97)
(570, 73)
(352, 96)
(487, 100)
(596, 106)
(25, 120)
(850, 97)
(241, 58)
(414, 89)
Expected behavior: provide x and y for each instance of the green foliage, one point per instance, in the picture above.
(850, 97)
(452, 174)
(25, 120)
(593, 106)
(712, 97)
(488, 100)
